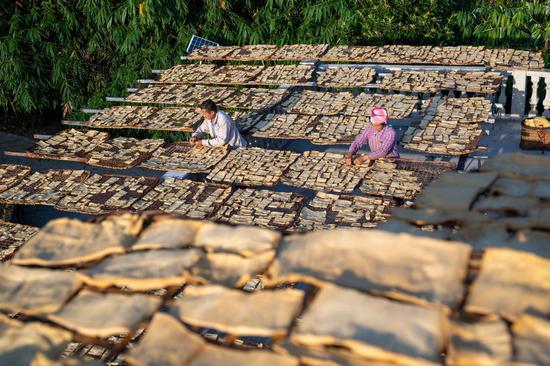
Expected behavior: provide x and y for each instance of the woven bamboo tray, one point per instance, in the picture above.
(285, 126)
(143, 117)
(324, 172)
(185, 157)
(274, 210)
(10, 175)
(252, 167)
(441, 148)
(299, 52)
(329, 211)
(123, 153)
(346, 77)
(402, 178)
(68, 145)
(97, 194)
(13, 236)
(32, 155)
(185, 198)
(44, 188)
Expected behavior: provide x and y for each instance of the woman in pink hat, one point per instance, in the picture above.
(379, 136)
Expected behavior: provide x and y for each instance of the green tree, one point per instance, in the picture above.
(56, 53)
(506, 23)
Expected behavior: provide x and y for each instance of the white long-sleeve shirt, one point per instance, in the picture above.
(223, 131)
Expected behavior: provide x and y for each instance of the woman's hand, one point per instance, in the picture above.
(348, 160)
(361, 160)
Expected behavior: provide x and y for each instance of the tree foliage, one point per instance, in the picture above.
(507, 23)
(57, 55)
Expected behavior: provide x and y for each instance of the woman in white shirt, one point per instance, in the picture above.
(219, 126)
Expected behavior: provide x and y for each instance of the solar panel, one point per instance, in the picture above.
(198, 42)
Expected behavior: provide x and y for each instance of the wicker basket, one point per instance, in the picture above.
(534, 138)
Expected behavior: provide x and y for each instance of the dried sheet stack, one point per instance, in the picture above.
(324, 172)
(276, 210)
(329, 211)
(252, 167)
(69, 145)
(102, 193)
(187, 198)
(12, 236)
(147, 118)
(44, 188)
(185, 157)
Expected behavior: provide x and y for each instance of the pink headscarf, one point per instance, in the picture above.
(379, 115)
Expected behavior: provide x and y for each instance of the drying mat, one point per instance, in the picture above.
(398, 106)
(186, 198)
(464, 110)
(346, 77)
(396, 54)
(450, 55)
(160, 94)
(274, 210)
(285, 126)
(402, 178)
(211, 52)
(175, 94)
(329, 211)
(513, 59)
(104, 193)
(346, 53)
(252, 52)
(252, 167)
(12, 236)
(299, 52)
(477, 81)
(433, 81)
(246, 120)
(233, 74)
(123, 152)
(460, 139)
(289, 75)
(295, 52)
(185, 157)
(254, 98)
(324, 172)
(147, 118)
(44, 188)
(12, 174)
(442, 131)
(184, 119)
(314, 102)
(70, 145)
(186, 74)
(340, 129)
(198, 93)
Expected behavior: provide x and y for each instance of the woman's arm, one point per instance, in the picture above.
(358, 143)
